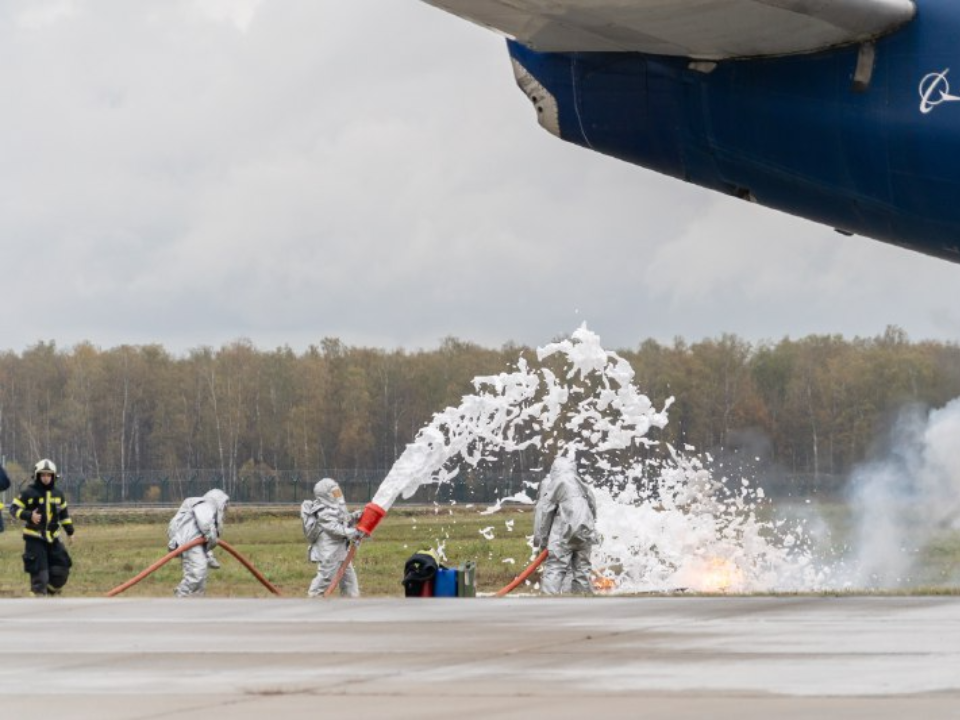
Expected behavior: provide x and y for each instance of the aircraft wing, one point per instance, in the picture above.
(702, 29)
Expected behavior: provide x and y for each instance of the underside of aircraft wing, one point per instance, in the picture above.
(702, 29)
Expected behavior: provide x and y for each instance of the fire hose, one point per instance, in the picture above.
(182, 549)
(342, 569)
(249, 566)
(537, 561)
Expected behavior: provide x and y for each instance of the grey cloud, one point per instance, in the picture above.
(198, 171)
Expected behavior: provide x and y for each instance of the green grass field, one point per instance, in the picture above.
(110, 547)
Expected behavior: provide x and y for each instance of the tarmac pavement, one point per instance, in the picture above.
(676, 657)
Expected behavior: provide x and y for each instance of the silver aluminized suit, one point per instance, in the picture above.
(564, 524)
(197, 517)
(329, 541)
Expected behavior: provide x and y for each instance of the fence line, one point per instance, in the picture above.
(359, 487)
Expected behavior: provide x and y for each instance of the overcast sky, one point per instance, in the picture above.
(192, 172)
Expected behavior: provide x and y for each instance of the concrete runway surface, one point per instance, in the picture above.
(676, 657)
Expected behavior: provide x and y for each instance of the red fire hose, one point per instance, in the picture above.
(342, 569)
(156, 566)
(249, 566)
(182, 549)
(524, 575)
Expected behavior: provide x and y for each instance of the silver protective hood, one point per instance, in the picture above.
(218, 499)
(327, 493)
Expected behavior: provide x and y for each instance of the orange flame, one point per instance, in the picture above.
(719, 575)
(602, 583)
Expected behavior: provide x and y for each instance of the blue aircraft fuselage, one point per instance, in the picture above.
(792, 133)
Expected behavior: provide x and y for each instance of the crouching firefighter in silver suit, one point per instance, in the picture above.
(197, 517)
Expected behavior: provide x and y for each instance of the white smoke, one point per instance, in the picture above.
(903, 501)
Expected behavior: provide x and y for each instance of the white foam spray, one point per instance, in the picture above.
(513, 411)
(665, 523)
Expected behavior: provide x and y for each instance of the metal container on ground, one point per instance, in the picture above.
(467, 579)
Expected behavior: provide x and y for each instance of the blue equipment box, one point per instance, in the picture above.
(445, 583)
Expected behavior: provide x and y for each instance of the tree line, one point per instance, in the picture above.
(809, 406)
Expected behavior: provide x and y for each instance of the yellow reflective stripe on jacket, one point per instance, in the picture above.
(49, 513)
(22, 509)
(49, 537)
(50, 508)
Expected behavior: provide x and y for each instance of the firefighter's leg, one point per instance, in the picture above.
(580, 572)
(60, 564)
(556, 568)
(194, 573)
(35, 563)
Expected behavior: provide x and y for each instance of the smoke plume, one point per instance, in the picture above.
(902, 501)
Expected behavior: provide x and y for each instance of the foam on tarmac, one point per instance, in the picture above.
(743, 657)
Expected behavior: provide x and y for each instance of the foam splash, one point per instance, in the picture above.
(530, 408)
(693, 532)
(665, 523)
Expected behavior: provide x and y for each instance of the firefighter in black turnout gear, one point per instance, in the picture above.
(43, 510)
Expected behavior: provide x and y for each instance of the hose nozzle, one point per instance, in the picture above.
(371, 517)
